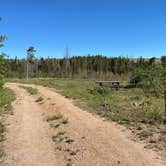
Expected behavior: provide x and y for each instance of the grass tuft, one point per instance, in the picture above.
(144, 134)
(55, 117)
(2, 129)
(59, 137)
(65, 121)
(30, 90)
(39, 99)
(57, 125)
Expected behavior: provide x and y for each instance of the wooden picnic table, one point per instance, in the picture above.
(112, 84)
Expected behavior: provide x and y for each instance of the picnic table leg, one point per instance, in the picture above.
(100, 84)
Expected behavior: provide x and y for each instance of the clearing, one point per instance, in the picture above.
(47, 130)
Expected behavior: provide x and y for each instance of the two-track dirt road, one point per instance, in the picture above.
(94, 142)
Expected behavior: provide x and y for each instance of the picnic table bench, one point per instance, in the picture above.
(112, 84)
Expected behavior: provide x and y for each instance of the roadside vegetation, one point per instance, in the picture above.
(6, 97)
(30, 90)
(39, 99)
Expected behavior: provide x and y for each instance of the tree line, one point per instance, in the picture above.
(146, 73)
(98, 66)
(2, 60)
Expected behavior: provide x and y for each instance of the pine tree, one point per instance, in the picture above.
(30, 59)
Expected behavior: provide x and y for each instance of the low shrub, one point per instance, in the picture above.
(1, 81)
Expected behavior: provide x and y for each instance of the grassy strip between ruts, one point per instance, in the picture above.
(6, 97)
(30, 90)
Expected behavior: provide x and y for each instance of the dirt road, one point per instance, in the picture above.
(81, 140)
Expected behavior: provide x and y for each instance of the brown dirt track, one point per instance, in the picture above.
(95, 142)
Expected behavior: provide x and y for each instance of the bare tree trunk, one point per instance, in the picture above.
(27, 70)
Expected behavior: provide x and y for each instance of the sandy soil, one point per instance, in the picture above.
(91, 141)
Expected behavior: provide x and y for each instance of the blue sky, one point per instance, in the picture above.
(109, 27)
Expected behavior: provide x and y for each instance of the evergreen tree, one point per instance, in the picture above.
(30, 59)
(2, 60)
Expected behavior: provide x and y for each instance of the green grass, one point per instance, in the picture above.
(6, 97)
(1, 154)
(58, 137)
(65, 121)
(57, 125)
(2, 129)
(69, 140)
(30, 90)
(55, 117)
(144, 134)
(39, 99)
(69, 164)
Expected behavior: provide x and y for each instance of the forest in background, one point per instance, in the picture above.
(150, 74)
(80, 66)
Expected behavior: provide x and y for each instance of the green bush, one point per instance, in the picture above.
(1, 81)
(150, 79)
(99, 91)
(154, 114)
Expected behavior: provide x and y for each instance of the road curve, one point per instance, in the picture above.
(98, 143)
